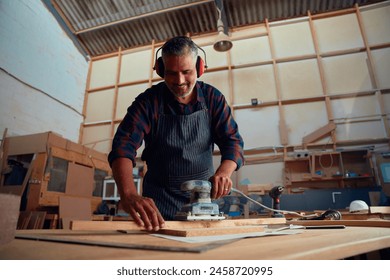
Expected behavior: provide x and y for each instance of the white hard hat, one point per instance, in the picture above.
(358, 206)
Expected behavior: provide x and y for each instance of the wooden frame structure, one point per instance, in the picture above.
(37, 152)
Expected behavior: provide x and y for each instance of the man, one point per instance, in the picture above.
(179, 119)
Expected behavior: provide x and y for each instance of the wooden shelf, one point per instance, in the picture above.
(332, 168)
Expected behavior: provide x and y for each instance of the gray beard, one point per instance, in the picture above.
(182, 96)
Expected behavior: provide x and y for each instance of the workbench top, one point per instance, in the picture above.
(317, 244)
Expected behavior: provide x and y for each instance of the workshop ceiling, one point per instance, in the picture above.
(102, 26)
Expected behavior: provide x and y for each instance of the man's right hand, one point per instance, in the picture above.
(144, 211)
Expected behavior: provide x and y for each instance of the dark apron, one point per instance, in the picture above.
(181, 150)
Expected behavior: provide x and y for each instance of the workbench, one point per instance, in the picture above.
(317, 244)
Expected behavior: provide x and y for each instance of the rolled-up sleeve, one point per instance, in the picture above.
(131, 131)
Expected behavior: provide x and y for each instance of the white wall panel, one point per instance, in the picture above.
(126, 96)
(355, 107)
(100, 106)
(136, 66)
(97, 137)
(386, 99)
(254, 82)
(262, 173)
(303, 119)
(259, 127)
(220, 80)
(376, 23)
(347, 73)
(292, 39)
(338, 33)
(103, 72)
(213, 58)
(300, 79)
(251, 51)
(360, 130)
(381, 61)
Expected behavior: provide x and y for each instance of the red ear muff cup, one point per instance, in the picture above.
(200, 66)
(159, 67)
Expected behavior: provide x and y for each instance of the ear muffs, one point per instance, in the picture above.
(200, 65)
(159, 67)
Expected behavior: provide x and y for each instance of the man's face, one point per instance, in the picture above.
(180, 75)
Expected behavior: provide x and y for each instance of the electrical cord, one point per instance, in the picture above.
(268, 208)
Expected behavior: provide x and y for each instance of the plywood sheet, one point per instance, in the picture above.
(79, 181)
(19, 145)
(74, 208)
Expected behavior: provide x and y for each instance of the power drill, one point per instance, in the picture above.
(275, 193)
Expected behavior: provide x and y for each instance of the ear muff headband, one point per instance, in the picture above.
(201, 65)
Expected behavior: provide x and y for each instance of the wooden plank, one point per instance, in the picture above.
(24, 219)
(353, 223)
(37, 220)
(380, 209)
(191, 232)
(130, 225)
(319, 133)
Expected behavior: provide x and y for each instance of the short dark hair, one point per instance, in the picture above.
(178, 46)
